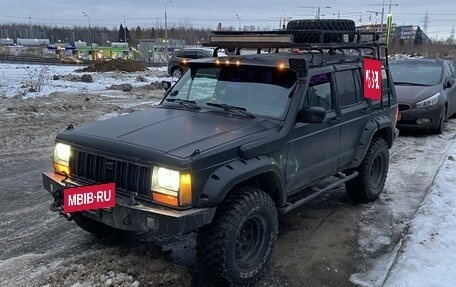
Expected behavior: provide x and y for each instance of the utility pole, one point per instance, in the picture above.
(318, 15)
(376, 16)
(30, 25)
(383, 11)
(90, 35)
(166, 28)
(426, 22)
(125, 32)
(239, 20)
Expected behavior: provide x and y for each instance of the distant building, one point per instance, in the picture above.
(404, 33)
(119, 45)
(6, 42)
(32, 42)
(80, 44)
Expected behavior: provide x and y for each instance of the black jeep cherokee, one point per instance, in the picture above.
(235, 142)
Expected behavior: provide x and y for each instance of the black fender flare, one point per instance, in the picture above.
(225, 177)
(371, 128)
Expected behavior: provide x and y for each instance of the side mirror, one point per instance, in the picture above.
(313, 115)
(166, 85)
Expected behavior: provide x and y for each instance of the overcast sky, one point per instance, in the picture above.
(207, 13)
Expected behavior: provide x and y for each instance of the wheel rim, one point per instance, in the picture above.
(376, 172)
(251, 242)
(177, 73)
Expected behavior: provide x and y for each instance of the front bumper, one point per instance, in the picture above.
(138, 217)
(409, 118)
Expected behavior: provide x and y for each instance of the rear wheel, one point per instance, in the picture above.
(236, 247)
(373, 170)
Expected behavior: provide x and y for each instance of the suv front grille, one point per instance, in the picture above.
(128, 177)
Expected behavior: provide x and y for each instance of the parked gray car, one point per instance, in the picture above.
(426, 92)
(175, 68)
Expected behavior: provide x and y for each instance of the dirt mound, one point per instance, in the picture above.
(114, 65)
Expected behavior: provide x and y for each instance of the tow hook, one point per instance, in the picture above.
(57, 204)
(133, 201)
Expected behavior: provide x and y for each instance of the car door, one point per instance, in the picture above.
(450, 74)
(312, 150)
(354, 112)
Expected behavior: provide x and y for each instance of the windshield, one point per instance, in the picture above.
(416, 73)
(261, 91)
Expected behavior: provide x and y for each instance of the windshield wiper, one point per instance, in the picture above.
(187, 103)
(231, 108)
(411, 84)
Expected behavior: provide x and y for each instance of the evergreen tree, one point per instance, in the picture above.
(418, 40)
(121, 33)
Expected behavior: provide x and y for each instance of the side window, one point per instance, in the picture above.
(452, 69)
(187, 54)
(346, 89)
(202, 55)
(319, 92)
(358, 85)
(448, 73)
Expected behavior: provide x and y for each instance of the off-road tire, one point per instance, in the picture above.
(98, 229)
(321, 24)
(373, 170)
(224, 250)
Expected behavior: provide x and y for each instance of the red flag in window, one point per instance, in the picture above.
(372, 79)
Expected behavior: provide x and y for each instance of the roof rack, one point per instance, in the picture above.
(280, 39)
(352, 40)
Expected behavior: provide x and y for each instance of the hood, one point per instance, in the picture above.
(172, 131)
(408, 94)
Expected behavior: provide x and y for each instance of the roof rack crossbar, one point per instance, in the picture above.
(285, 39)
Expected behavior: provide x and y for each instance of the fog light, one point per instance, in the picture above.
(422, 121)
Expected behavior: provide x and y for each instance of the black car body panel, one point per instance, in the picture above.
(202, 131)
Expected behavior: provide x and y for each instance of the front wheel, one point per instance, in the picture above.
(442, 120)
(373, 170)
(177, 73)
(237, 246)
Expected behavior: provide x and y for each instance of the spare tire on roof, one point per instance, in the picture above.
(300, 36)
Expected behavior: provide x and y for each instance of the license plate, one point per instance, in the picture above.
(89, 197)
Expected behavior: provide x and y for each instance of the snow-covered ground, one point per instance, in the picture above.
(16, 79)
(426, 255)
